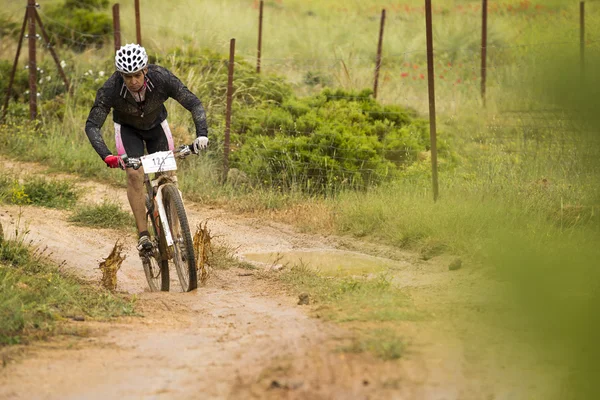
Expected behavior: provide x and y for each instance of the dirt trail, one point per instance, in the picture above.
(239, 337)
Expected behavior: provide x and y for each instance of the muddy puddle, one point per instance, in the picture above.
(328, 262)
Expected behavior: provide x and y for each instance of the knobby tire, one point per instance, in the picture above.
(183, 246)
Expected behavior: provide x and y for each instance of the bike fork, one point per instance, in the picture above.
(163, 216)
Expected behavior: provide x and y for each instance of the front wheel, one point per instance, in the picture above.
(156, 265)
(183, 246)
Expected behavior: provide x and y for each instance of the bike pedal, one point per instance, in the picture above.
(145, 244)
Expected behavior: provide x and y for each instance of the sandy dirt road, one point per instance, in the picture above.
(242, 337)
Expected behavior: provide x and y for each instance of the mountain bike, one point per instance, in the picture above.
(167, 221)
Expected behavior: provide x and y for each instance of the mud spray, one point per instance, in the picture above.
(111, 265)
(203, 251)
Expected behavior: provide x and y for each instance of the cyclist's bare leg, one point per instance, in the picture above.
(136, 197)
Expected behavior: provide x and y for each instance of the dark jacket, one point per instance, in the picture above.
(161, 84)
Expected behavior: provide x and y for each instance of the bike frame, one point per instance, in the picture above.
(163, 164)
(155, 187)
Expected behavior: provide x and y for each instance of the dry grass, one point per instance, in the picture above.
(313, 215)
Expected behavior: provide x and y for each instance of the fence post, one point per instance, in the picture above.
(116, 26)
(52, 52)
(14, 68)
(260, 25)
(484, 18)
(582, 35)
(32, 60)
(379, 50)
(138, 28)
(431, 84)
(228, 112)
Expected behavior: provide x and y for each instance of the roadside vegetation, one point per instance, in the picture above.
(38, 191)
(371, 309)
(104, 215)
(519, 180)
(37, 298)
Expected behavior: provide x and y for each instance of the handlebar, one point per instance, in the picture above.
(133, 162)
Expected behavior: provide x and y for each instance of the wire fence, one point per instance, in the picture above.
(402, 80)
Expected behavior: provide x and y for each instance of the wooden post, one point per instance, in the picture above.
(228, 110)
(260, 25)
(582, 36)
(138, 28)
(14, 68)
(116, 26)
(32, 60)
(484, 15)
(431, 82)
(379, 51)
(52, 52)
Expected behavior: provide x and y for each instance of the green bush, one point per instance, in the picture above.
(9, 28)
(20, 83)
(86, 4)
(54, 194)
(334, 140)
(250, 88)
(50, 86)
(79, 24)
(38, 191)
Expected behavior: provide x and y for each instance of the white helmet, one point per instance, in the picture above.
(131, 58)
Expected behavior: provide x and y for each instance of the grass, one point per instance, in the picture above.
(105, 215)
(319, 43)
(497, 175)
(386, 343)
(522, 195)
(50, 193)
(38, 191)
(371, 308)
(223, 256)
(35, 296)
(214, 253)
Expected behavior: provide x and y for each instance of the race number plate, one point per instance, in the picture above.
(160, 161)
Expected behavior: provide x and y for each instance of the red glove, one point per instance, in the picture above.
(113, 161)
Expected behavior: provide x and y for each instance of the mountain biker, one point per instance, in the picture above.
(136, 93)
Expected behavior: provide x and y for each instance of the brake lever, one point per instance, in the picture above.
(127, 162)
(183, 151)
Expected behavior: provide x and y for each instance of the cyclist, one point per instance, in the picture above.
(136, 93)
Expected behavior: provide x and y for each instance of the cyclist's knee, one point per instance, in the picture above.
(135, 178)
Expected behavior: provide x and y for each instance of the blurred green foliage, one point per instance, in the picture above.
(79, 24)
(555, 269)
(20, 83)
(9, 27)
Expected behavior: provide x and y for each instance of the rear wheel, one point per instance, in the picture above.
(155, 267)
(183, 246)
